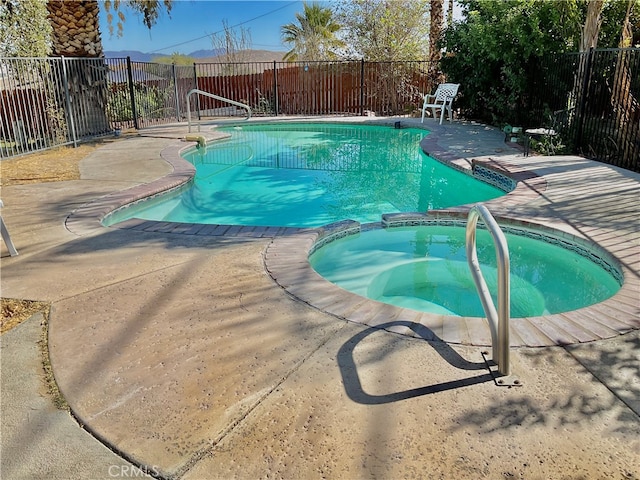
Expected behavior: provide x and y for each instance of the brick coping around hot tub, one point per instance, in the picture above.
(286, 260)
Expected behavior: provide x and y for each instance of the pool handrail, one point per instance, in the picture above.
(216, 97)
(498, 321)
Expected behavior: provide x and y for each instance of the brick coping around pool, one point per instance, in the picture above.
(286, 260)
(89, 217)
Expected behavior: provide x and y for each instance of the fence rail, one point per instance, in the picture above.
(598, 92)
(46, 102)
(50, 102)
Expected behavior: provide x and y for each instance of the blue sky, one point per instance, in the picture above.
(186, 28)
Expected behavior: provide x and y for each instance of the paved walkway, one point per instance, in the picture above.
(179, 352)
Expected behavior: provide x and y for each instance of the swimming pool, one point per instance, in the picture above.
(425, 268)
(312, 174)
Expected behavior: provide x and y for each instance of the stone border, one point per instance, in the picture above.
(88, 218)
(286, 259)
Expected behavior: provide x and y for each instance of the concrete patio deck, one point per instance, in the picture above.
(180, 356)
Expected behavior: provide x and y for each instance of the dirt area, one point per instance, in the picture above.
(16, 311)
(50, 166)
(54, 165)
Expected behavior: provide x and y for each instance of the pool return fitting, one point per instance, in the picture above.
(498, 320)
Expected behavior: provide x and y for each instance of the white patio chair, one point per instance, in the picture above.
(5, 235)
(442, 99)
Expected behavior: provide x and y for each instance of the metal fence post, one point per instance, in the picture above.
(362, 87)
(132, 93)
(175, 89)
(583, 95)
(195, 87)
(67, 96)
(275, 88)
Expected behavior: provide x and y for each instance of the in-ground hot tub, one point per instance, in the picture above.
(424, 268)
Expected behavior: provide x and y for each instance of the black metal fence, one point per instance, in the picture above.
(318, 88)
(48, 102)
(142, 94)
(591, 98)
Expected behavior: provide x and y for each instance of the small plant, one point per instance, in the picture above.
(119, 106)
(149, 103)
(549, 145)
(57, 124)
(264, 105)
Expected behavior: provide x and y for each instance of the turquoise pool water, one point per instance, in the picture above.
(425, 268)
(308, 175)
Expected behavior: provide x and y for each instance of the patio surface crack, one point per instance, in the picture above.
(603, 382)
(209, 450)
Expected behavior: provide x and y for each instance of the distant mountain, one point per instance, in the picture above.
(206, 53)
(201, 56)
(138, 56)
(246, 56)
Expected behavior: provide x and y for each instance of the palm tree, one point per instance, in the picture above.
(313, 38)
(75, 28)
(623, 97)
(436, 13)
(76, 33)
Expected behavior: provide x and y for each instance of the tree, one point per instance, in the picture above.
(314, 35)
(495, 52)
(622, 98)
(618, 15)
(592, 24)
(436, 12)
(378, 30)
(149, 9)
(388, 35)
(76, 33)
(588, 40)
(24, 28)
(175, 58)
(234, 45)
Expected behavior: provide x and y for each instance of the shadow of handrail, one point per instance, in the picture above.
(353, 385)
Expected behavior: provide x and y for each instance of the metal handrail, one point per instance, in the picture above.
(211, 95)
(498, 321)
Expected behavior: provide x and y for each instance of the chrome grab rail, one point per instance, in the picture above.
(211, 95)
(498, 321)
